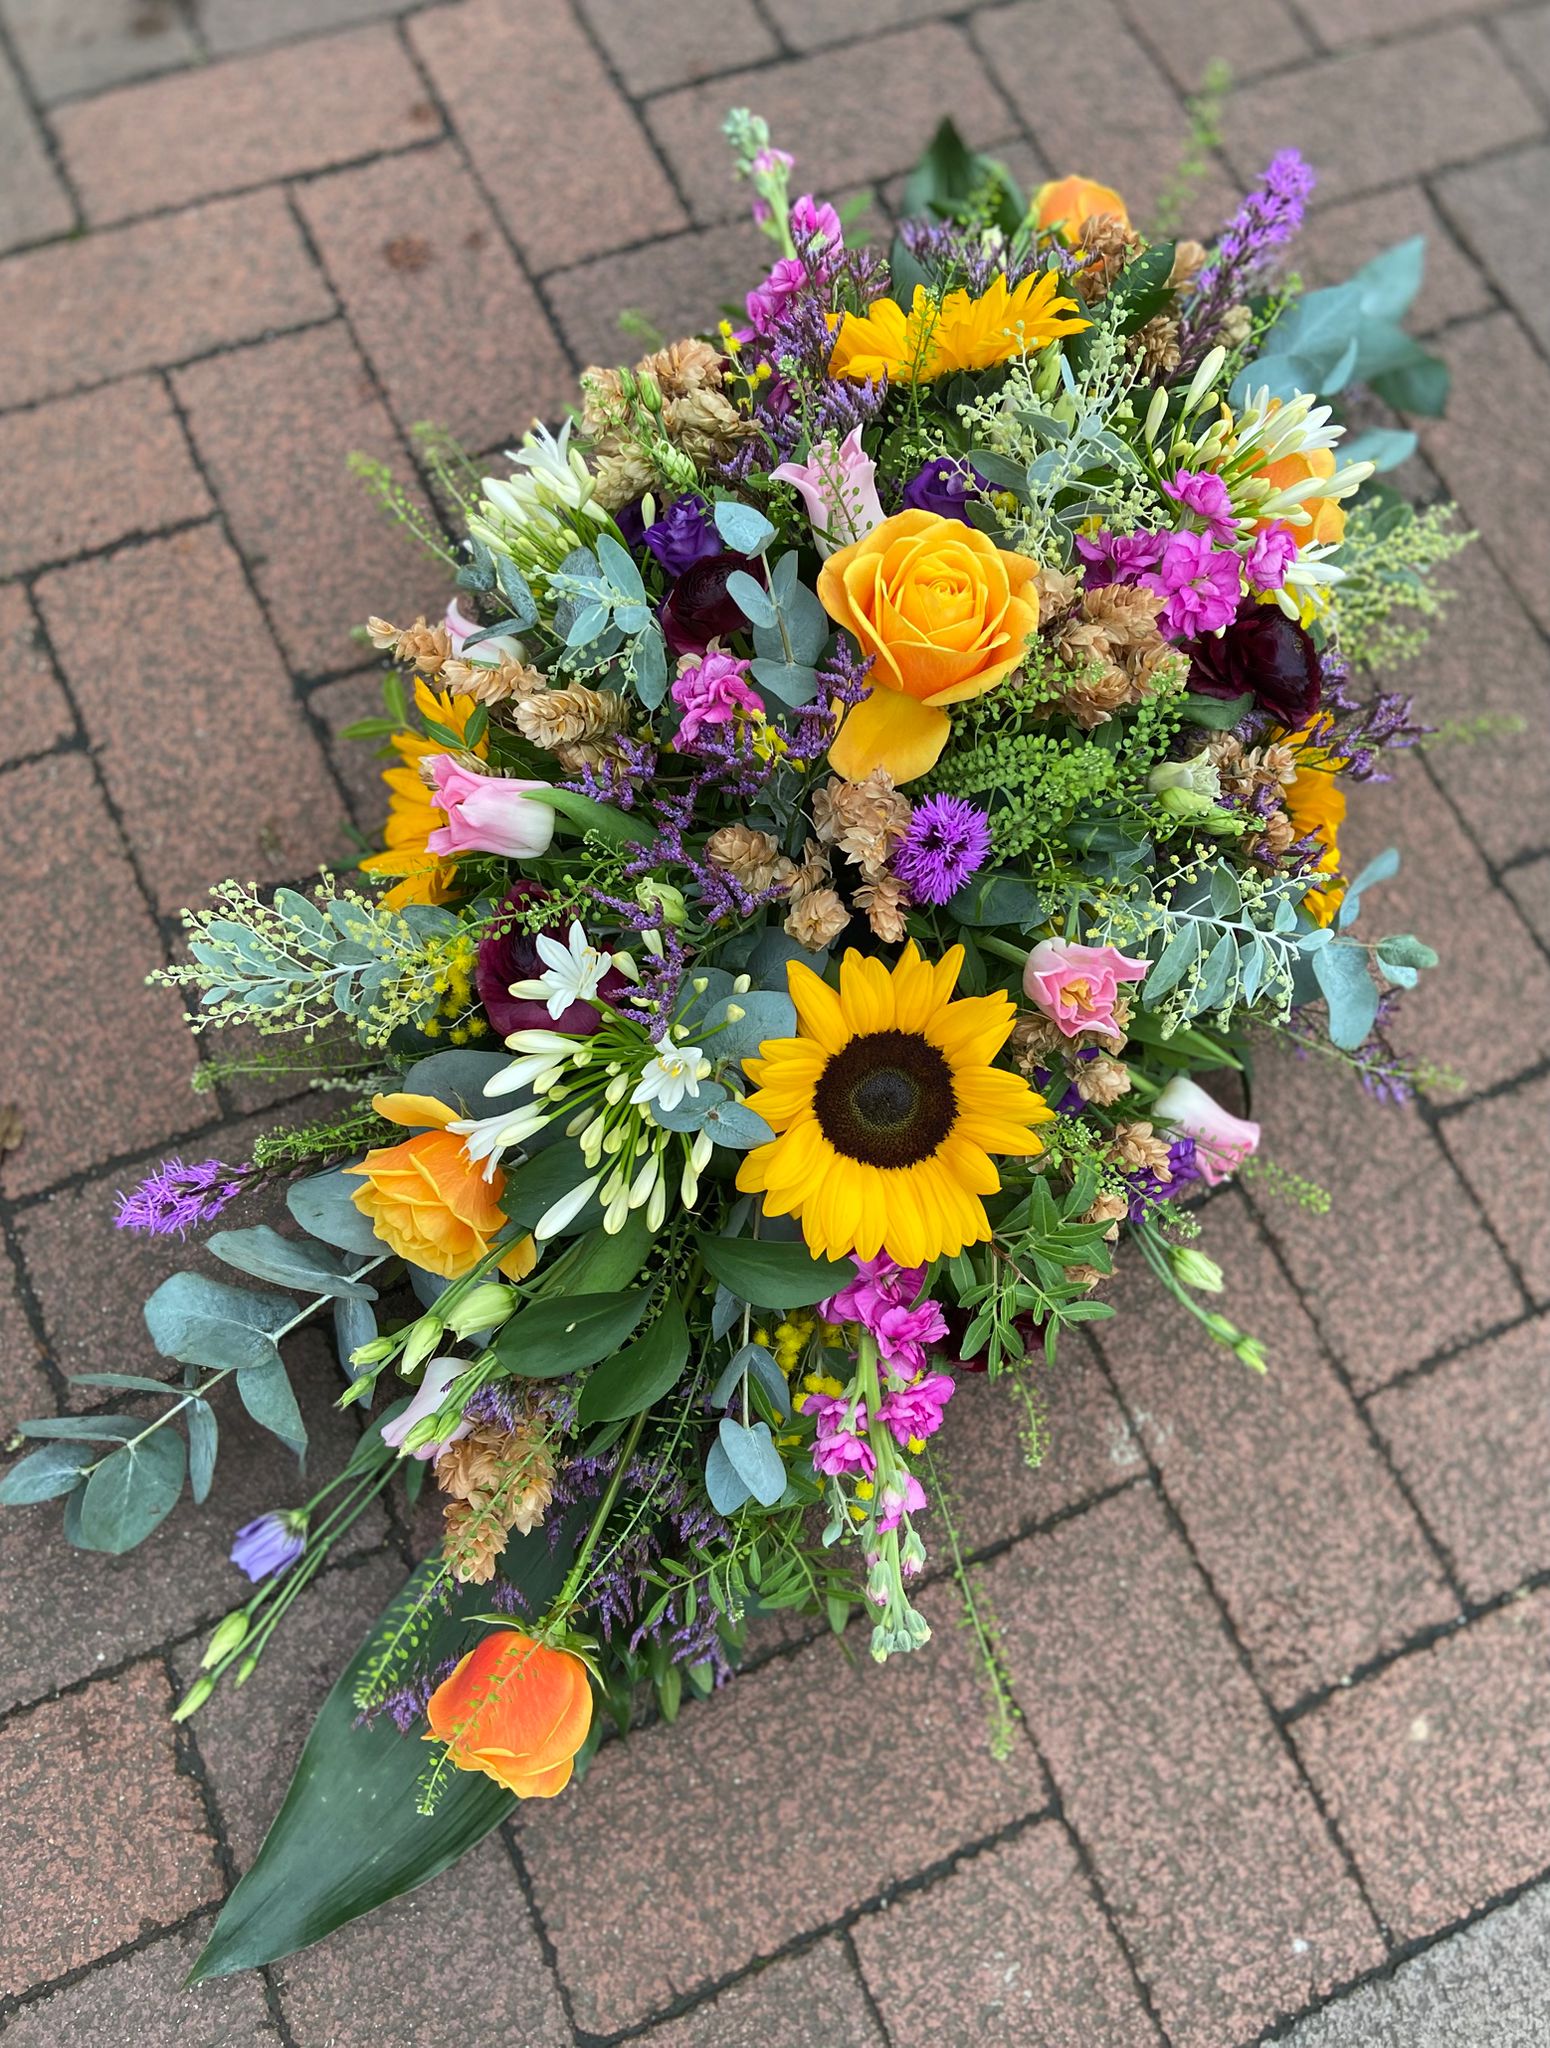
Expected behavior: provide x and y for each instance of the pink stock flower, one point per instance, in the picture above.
(843, 1452)
(838, 485)
(765, 301)
(428, 1397)
(878, 1284)
(916, 1411)
(711, 690)
(811, 219)
(1201, 582)
(903, 1335)
(1270, 556)
(487, 813)
(1222, 1141)
(1202, 493)
(895, 1502)
(1075, 986)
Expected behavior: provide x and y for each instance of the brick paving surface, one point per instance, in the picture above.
(1277, 1648)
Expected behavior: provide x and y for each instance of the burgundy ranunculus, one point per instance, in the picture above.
(943, 486)
(507, 953)
(697, 609)
(1265, 653)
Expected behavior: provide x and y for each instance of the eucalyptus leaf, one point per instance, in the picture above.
(203, 1440)
(760, 1014)
(691, 1112)
(200, 1321)
(354, 1325)
(1175, 961)
(44, 1474)
(744, 529)
(794, 683)
(263, 1254)
(457, 1078)
(266, 1394)
(723, 1484)
(650, 667)
(86, 1429)
(132, 1492)
(1350, 993)
(323, 1205)
(514, 588)
(751, 598)
(751, 1452)
(736, 1126)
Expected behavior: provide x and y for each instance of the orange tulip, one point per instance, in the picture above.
(516, 1710)
(426, 1198)
(1067, 202)
(945, 614)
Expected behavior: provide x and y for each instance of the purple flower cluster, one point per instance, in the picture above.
(176, 1198)
(1148, 1189)
(945, 844)
(958, 257)
(1242, 260)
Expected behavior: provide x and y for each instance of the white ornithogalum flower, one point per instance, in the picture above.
(676, 1071)
(1283, 427)
(489, 1137)
(555, 1218)
(1309, 581)
(540, 1054)
(573, 970)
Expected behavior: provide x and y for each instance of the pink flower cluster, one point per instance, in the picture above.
(819, 238)
(881, 1299)
(711, 690)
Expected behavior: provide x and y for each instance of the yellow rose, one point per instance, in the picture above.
(946, 615)
(428, 1201)
(1067, 202)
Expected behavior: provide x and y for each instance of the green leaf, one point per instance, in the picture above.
(266, 1394)
(1384, 447)
(615, 827)
(724, 1485)
(1419, 386)
(348, 1836)
(762, 1014)
(751, 598)
(744, 529)
(793, 682)
(1403, 949)
(1217, 713)
(773, 1275)
(137, 1382)
(263, 1254)
(132, 1492)
(736, 1126)
(456, 1078)
(997, 900)
(538, 1183)
(561, 1336)
(1350, 993)
(45, 1474)
(204, 1322)
(203, 1437)
(1381, 868)
(1175, 960)
(323, 1206)
(88, 1429)
(751, 1452)
(642, 1373)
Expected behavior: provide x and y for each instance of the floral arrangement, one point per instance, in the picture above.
(877, 756)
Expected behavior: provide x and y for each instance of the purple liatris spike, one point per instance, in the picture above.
(271, 1544)
(173, 1199)
(947, 842)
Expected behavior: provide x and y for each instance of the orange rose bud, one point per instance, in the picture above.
(516, 1710)
(427, 1199)
(1067, 202)
(945, 614)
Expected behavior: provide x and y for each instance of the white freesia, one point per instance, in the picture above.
(676, 1071)
(573, 972)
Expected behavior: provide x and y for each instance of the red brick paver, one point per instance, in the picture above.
(1278, 1642)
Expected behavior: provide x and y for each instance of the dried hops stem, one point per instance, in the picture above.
(497, 1480)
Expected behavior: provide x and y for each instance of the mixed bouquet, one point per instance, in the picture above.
(878, 755)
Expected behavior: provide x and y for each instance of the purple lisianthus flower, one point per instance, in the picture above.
(683, 535)
(1150, 1188)
(944, 485)
(509, 953)
(697, 609)
(1202, 493)
(1117, 557)
(1201, 582)
(1268, 655)
(173, 1199)
(271, 1544)
(945, 844)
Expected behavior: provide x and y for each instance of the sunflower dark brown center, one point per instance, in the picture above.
(887, 1099)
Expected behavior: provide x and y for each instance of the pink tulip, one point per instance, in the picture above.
(839, 488)
(487, 813)
(1222, 1141)
(1075, 986)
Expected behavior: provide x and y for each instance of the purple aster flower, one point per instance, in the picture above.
(944, 486)
(271, 1544)
(170, 1201)
(1203, 494)
(683, 535)
(947, 841)
(1117, 557)
(1201, 582)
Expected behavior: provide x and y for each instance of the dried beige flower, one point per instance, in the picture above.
(884, 900)
(816, 918)
(556, 718)
(492, 682)
(752, 858)
(1138, 1149)
(1102, 1080)
(1108, 244)
(497, 1480)
(420, 647)
(866, 820)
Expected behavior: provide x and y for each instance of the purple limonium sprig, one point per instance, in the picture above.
(963, 257)
(947, 841)
(271, 1544)
(1245, 251)
(175, 1198)
(406, 1704)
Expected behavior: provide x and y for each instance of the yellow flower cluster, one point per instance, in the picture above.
(458, 1014)
(937, 337)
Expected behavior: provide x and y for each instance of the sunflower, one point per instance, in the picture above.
(1315, 803)
(960, 333)
(886, 1109)
(412, 817)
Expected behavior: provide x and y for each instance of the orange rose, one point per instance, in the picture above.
(1327, 514)
(945, 613)
(515, 1710)
(426, 1198)
(1067, 202)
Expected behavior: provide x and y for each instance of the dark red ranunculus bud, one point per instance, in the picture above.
(508, 953)
(1265, 653)
(697, 609)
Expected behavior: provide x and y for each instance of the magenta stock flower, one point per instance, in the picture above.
(764, 302)
(842, 1452)
(899, 1500)
(1201, 582)
(1076, 986)
(882, 1299)
(1117, 557)
(711, 691)
(816, 230)
(1269, 557)
(916, 1411)
(1202, 493)
(487, 813)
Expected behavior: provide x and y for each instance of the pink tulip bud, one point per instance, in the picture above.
(487, 813)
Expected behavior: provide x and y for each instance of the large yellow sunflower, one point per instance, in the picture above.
(887, 1109)
(959, 333)
(1315, 803)
(423, 877)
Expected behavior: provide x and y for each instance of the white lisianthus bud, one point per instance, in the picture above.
(484, 1307)
(1194, 1269)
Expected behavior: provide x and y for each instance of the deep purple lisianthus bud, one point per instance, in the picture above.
(683, 535)
(697, 609)
(943, 486)
(1267, 654)
(271, 1544)
(508, 953)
